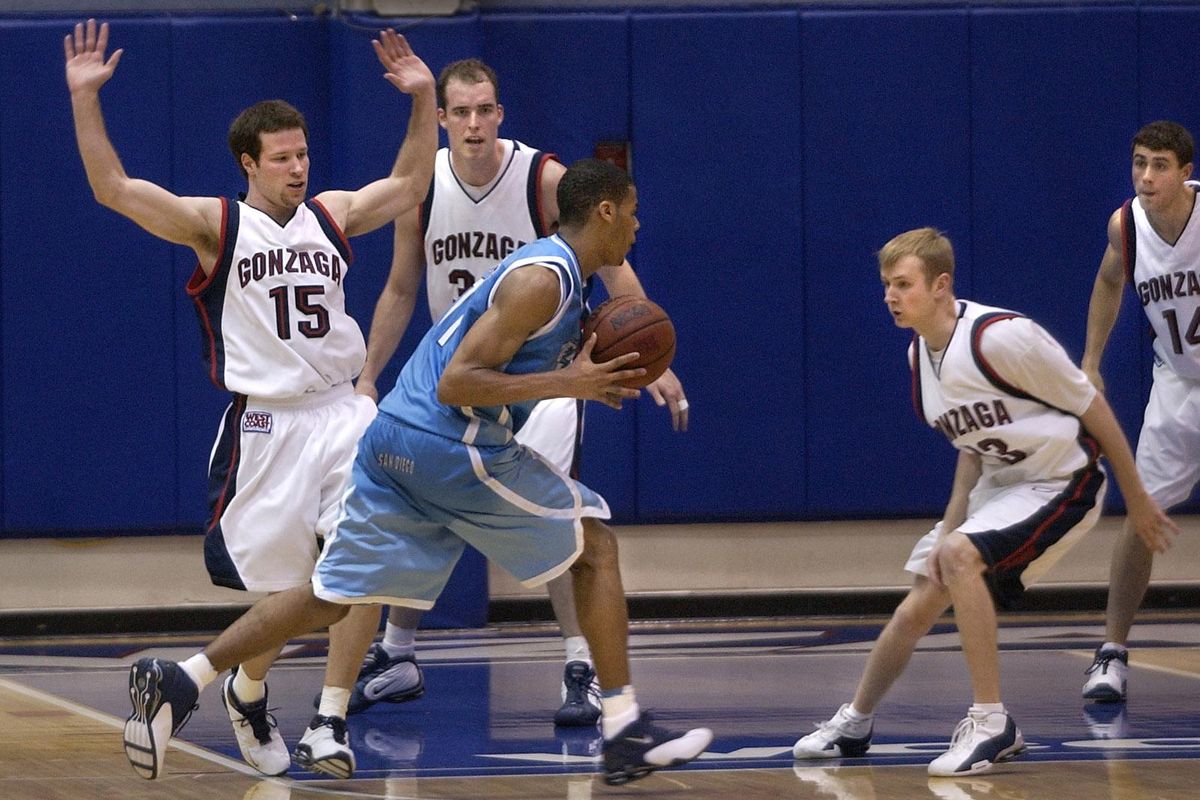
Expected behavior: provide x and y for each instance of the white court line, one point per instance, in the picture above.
(1179, 673)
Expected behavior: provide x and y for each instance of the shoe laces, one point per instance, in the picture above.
(335, 724)
(580, 685)
(259, 718)
(1102, 660)
(963, 732)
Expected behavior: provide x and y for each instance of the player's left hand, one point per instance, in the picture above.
(1150, 523)
(405, 69)
(668, 391)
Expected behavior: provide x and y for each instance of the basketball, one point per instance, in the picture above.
(631, 324)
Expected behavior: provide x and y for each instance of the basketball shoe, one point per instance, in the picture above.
(256, 732)
(163, 698)
(1107, 675)
(383, 678)
(580, 696)
(324, 748)
(642, 747)
(840, 737)
(980, 741)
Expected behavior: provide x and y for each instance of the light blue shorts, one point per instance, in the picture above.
(417, 498)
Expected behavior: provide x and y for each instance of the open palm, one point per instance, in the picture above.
(405, 70)
(86, 67)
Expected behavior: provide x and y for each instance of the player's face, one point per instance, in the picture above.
(471, 118)
(1158, 177)
(908, 294)
(280, 176)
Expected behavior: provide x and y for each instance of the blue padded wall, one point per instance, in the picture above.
(89, 399)
(887, 148)
(717, 158)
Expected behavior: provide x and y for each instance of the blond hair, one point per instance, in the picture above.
(928, 244)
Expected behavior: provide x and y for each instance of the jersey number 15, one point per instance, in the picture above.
(313, 328)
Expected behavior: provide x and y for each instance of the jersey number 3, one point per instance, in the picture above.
(313, 328)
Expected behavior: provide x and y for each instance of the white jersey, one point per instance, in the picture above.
(1165, 277)
(1007, 391)
(273, 313)
(468, 232)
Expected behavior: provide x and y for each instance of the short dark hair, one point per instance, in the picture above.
(267, 116)
(1163, 135)
(585, 185)
(469, 70)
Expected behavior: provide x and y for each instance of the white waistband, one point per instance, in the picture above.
(320, 397)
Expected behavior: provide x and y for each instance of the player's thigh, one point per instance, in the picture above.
(1168, 450)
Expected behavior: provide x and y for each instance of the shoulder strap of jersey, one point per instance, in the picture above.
(918, 404)
(1128, 239)
(533, 191)
(333, 232)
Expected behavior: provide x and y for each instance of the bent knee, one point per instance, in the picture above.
(960, 558)
(599, 546)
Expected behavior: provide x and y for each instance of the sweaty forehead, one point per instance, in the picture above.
(283, 141)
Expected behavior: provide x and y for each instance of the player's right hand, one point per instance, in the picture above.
(87, 70)
(601, 382)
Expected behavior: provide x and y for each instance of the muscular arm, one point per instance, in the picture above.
(525, 301)
(382, 201)
(1105, 303)
(191, 221)
(1146, 518)
(394, 309)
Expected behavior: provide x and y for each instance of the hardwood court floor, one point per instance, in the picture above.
(483, 728)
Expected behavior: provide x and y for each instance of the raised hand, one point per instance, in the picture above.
(405, 69)
(87, 69)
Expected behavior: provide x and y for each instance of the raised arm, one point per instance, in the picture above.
(394, 309)
(524, 302)
(192, 221)
(1105, 303)
(382, 201)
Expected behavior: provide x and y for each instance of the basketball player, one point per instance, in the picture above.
(438, 468)
(1029, 428)
(489, 196)
(1154, 245)
(268, 290)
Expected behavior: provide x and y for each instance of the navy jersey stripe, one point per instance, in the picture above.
(533, 192)
(1128, 239)
(208, 293)
(917, 401)
(332, 231)
(988, 371)
(426, 210)
(222, 488)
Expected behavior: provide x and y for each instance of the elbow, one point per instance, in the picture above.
(447, 392)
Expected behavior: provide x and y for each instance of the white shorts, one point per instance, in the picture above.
(554, 430)
(1168, 449)
(1023, 530)
(277, 480)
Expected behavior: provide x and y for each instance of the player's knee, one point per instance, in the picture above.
(959, 559)
(599, 547)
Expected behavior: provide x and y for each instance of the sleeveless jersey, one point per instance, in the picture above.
(414, 398)
(1165, 278)
(1020, 437)
(273, 313)
(464, 237)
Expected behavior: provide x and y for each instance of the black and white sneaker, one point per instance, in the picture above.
(580, 696)
(642, 747)
(979, 742)
(1107, 675)
(383, 679)
(256, 732)
(163, 697)
(325, 748)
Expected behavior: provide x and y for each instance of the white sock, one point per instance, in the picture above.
(577, 649)
(334, 701)
(247, 689)
(993, 716)
(1120, 648)
(399, 641)
(855, 715)
(619, 709)
(200, 670)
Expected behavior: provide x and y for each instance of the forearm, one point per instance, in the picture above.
(966, 475)
(484, 386)
(393, 312)
(1102, 424)
(1103, 308)
(620, 280)
(414, 162)
(100, 161)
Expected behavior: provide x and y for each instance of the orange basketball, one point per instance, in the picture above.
(629, 324)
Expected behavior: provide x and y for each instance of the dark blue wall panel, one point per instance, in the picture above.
(89, 409)
(887, 148)
(718, 161)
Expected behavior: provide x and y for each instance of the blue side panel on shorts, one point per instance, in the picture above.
(88, 398)
(732, 289)
(255, 59)
(591, 58)
(886, 109)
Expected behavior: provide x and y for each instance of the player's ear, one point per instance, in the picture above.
(1187, 171)
(499, 113)
(248, 163)
(442, 118)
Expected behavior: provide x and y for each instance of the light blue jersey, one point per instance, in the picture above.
(414, 398)
(430, 478)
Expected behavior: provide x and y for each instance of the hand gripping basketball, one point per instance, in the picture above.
(631, 324)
